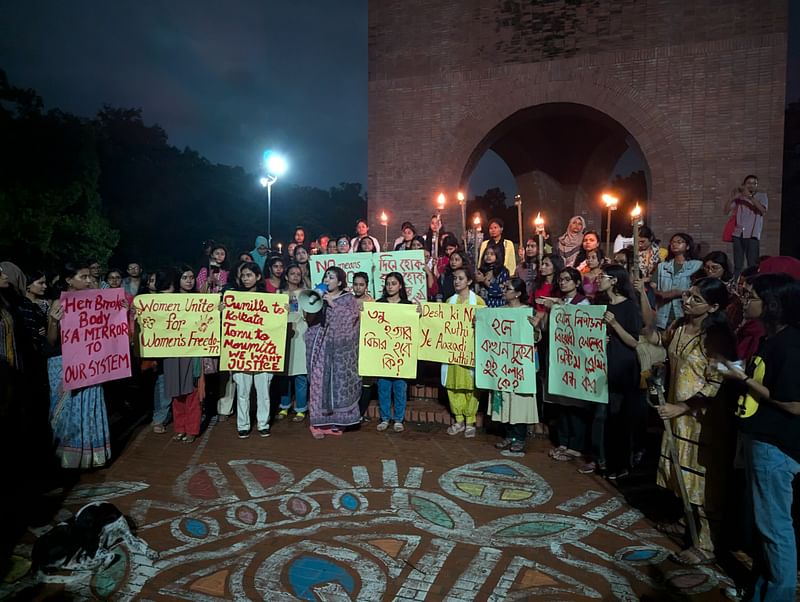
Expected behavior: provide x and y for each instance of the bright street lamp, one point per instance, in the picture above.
(274, 166)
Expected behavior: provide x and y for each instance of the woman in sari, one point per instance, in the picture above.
(334, 386)
(78, 417)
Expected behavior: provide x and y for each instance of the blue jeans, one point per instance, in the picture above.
(162, 405)
(300, 385)
(387, 388)
(770, 473)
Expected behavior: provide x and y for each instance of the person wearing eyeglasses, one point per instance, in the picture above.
(697, 414)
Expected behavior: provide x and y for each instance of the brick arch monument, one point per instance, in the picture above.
(561, 90)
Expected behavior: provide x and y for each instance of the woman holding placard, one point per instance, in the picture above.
(334, 387)
(252, 281)
(459, 381)
(515, 410)
(78, 418)
(295, 379)
(617, 419)
(394, 291)
(184, 381)
(573, 419)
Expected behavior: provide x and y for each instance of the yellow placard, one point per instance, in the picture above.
(447, 333)
(388, 340)
(178, 324)
(253, 332)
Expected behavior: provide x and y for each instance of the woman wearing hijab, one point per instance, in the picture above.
(260, 252)
(569, 243)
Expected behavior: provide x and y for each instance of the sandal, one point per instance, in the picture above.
(588, 468)
(694, 557)
(553, 451)
(518, 447)
(562, 456)
(299, 417)
(189, 439)
(317, 433)
(179, 437)
(159, 429)
(470, 431)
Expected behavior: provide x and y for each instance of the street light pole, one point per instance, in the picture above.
(274, 166)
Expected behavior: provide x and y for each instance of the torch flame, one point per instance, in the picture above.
(460, 196)
(440, 201)
(538, 221)
(610, 200)
(637, 211)
(384, 218)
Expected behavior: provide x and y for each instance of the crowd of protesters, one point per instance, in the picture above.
(728, 334)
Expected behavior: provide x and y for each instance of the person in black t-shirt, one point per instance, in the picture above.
(769, 412)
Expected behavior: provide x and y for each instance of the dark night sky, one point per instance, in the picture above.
(228, 79)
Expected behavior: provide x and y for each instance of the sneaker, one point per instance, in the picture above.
(505, 443)
(470, 431)
(455, 428)
(263, 432)
(398, 427)
(383, 425)
(299, 417)
(282, 414)
(517, 447)
(244, 434)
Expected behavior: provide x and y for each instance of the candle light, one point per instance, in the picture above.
(636, 220)
(385, 224)
(538, 223)
(462, 201)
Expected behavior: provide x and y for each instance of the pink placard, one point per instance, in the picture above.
(95, 346)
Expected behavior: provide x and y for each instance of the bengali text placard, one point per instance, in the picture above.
(504, 350)
(388, 341)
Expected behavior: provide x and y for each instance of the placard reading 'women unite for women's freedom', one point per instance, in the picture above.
(178, 324)
(578, 365)
(253, 332)
(95, 346)
(388, 340)
(504, 353)
(447, 333)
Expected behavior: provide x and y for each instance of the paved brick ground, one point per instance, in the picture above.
(370, 516)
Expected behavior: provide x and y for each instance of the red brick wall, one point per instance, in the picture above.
(699, 85)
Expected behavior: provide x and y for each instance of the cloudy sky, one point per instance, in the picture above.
(229, 79)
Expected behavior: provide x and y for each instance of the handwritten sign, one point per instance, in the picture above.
(447, 334)
(578, 352)
(253, 332)
(178, 324)
(388, 340)
(411, 264)
(349, 262)
(504, 353)
(94, 337)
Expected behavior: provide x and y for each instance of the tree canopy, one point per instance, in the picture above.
(112, 188)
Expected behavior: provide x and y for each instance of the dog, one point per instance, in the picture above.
(84, 542)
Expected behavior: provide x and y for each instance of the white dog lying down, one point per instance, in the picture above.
(84, 542)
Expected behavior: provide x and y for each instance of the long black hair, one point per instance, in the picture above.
(260, 285)
(575, 276)
(719, 338)
(500, 259)
(622, 287)
(689, 245)
(403, 292)
(780, 300)
(558, 265)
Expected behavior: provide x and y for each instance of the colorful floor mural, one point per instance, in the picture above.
(251, 529)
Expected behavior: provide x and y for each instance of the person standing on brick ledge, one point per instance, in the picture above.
(750, 207)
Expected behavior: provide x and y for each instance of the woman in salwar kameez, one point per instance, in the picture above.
(334, 386)
(515, 410)
(78, 418)
(697, 415)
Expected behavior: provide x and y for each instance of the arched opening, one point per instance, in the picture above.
(562, 157)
